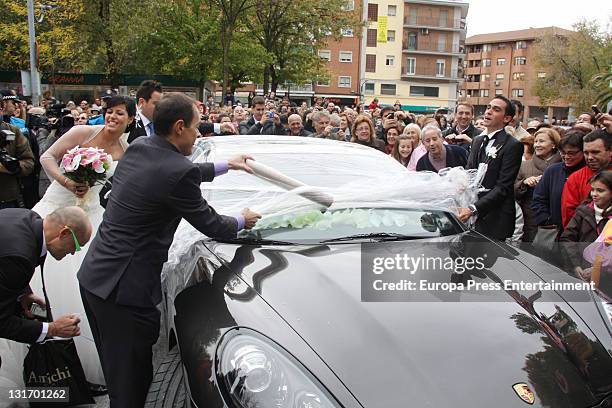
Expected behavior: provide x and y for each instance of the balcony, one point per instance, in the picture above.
(432, 49)
(472, 71)
(434, 23)
(429, 73)
(471, 85)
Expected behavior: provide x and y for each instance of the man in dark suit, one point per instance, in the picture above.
(26, 239)
(439, 155)
(464, 132)
(502, 153)
(148, 94)
(154, 187)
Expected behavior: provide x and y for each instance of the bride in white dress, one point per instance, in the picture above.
(60, 276)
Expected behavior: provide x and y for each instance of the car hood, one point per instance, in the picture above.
(457, 353)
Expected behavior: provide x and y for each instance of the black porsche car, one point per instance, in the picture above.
(289, 314)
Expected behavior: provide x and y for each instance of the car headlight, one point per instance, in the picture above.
(252, 371)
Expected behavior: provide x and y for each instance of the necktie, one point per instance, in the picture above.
(483, 148)
(151, 128)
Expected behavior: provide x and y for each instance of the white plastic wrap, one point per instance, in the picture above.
(354, 176)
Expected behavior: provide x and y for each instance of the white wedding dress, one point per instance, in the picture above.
(60, 276)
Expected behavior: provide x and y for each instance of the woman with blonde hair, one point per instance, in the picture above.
(546, 142)
(414, 132)
(363, 133)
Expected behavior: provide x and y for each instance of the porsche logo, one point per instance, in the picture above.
(524, 393)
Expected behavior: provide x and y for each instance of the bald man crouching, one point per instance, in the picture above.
(25, 241)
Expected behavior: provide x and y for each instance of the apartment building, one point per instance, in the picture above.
(414, 52)
(343, 59)
(504, 64)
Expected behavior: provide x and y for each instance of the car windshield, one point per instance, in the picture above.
(353, 224)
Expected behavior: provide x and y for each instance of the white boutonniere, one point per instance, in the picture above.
(492, 153)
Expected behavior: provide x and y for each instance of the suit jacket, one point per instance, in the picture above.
(496, 208)
(21, 236)
(455, 157)
(154, 186)
(137, 130)
(471, 131)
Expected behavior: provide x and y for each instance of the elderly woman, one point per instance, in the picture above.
(414, 131)
(363, 133)
(546, 142)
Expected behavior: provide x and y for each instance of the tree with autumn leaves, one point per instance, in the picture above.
(232, 41)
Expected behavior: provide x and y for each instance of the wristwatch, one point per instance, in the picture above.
(473, 208)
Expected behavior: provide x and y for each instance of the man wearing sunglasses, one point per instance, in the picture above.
(25, 241)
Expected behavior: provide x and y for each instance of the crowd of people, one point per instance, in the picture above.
(544, 185)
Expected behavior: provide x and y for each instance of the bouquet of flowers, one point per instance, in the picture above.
(86, 165)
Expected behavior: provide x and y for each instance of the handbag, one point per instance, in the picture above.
(545, 240)
(55, 363)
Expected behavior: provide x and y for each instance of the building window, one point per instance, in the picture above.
(540, 74)
(412, 15)
(323, 82)
(390, 35)
(499, 76)
(391, 10)
(501, 61)
(485, 77)
(486, 62)
(346, 56)
(349, 5)
(370, 63)
(520, 60)
(347, 32)
(521, 45)
(440, 68)
(441, 42)
(432, 91)
(371, 37)
(443, 18)
(501, 46)
(499, 92)
(387, 89)
(325, 55)
(517, 93)
(390, 61)
(486, 48)
(518, 76)
(484, 93)
(372, 11)
(344, 81)
(412, 41)
(369, 88)
(411, 66)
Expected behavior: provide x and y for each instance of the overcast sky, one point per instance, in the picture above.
(486, 16)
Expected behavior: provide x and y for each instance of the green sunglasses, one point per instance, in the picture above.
(77, 246)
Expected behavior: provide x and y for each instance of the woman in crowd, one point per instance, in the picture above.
(363, 133)
(530, 173)
(402, 149)
(391, 135)
(82, 119)
(414, 132)
(479, 123)
(588, 223)
(63, 288)
(345, 125)
(546, 203)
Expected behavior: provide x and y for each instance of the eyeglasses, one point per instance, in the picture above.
(77, 246)
(570, 154)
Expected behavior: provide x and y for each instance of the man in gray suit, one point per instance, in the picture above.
(154, 186)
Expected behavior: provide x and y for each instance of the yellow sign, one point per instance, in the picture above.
(382, 29)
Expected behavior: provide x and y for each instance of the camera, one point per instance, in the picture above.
(270, 115)
(10, 163)
(37, 122)
(64, 119)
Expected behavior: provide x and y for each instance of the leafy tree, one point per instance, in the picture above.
(571, 63)
(232, 11)
(293, 31)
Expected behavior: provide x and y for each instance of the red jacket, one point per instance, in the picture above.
(575, 191)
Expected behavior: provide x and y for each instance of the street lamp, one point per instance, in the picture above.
(361, 91)
(34, 78)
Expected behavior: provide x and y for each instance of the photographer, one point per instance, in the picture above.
(464, 131)
(16, 158)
